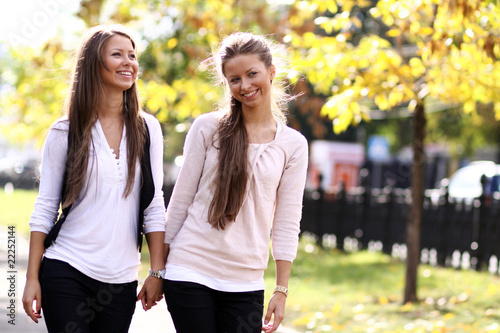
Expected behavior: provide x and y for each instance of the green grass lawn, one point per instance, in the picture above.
(16, 208)
(355, 292)
(362, 292)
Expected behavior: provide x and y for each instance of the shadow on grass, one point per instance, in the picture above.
(361, 269)
(362, 291)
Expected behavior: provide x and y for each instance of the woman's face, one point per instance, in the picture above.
(121, 62)
(249, 80)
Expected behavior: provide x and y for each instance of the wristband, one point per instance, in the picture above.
(156, 274)
(281, 289)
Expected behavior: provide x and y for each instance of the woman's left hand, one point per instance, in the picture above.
(277, 307)
(151, 292)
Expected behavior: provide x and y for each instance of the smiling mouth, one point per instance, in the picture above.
(249, 95)
(125, 73)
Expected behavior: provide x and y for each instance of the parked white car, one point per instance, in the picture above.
(466, 181)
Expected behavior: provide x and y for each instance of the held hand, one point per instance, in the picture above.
(32, 294)
(151, 292)
(277, 307)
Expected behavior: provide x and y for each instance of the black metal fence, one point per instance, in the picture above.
(451, 230)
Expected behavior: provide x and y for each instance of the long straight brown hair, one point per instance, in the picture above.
(231, 179)
(85, 91)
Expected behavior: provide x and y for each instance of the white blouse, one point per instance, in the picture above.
(99, 236)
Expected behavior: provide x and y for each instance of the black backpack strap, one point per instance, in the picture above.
(147, 186)
(54, 232)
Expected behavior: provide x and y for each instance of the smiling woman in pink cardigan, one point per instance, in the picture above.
(241, 184)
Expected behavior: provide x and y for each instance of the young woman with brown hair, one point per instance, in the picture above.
(85, 280)
(241, 182)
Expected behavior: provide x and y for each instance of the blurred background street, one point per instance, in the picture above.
(398, 100)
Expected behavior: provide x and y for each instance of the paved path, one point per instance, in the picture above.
(17, 274)
(155, 320)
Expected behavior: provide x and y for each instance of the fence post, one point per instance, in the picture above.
(482, 228)
(320, 202)
(367, 195)
(341, 202)
(444, 220)
(388, 222)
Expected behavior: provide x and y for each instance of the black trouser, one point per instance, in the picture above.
(75, 303)
(198, 309)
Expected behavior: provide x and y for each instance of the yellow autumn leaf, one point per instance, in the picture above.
(327, 26)
(395, 97)
(302, 321)
(354, 108)
(172, 42)
(407, 307)
(332, 6)
(364, 3)
(382, 102)
(337, 327)
(342, 123)
(393, 33)
(328, 111)
(319, 6)
(415, 27)
(357, 22)
(348, 5)
(365, 116)
(426, 31)
(469, 106)
(405, 70)
(492, 289)
(388, 20)
(449, 316)
(383, 300)
(296, 20)
(170, 94)
(417, 67)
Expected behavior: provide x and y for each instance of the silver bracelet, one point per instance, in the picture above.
(281, 289)
(156, 274)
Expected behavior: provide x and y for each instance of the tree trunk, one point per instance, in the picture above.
(414, 218)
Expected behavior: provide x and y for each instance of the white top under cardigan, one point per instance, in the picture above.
(272, 204)
(99, 236)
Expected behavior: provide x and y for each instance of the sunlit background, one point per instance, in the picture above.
(398, 99)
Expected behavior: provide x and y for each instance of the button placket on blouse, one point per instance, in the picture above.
(114, 169)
